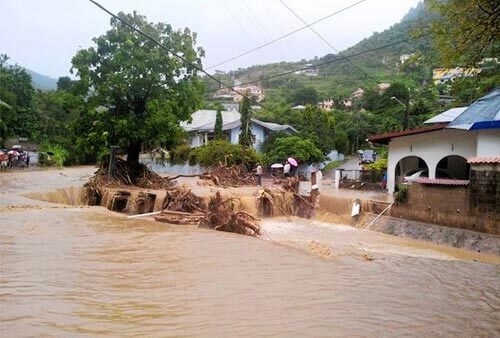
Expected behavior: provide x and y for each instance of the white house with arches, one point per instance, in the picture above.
(444, 146)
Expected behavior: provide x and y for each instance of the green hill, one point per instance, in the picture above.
(339, 77)
(41, 81)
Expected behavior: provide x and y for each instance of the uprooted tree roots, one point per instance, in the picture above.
(222, 217)
(235, 175)
(183, 207)
(184, 200)
(125, 174)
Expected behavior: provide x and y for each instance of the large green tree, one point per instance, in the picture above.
(300, 148)
(466, 30)
(246, 137)
(18, 116)
(319, 126)
(145, 89)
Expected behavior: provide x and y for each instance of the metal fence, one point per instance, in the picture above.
(366, 176)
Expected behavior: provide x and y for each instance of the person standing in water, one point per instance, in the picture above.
(286, 169)
(258, 173)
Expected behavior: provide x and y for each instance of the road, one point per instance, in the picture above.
(351, 164)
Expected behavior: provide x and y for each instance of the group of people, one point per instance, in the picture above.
(12, 159)
(288, 171)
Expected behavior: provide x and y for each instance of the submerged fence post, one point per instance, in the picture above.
(338, 174)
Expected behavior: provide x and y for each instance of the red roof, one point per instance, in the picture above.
(442, 181)
(485, 160)
(386, 137)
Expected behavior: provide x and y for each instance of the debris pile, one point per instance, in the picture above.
(229, 176)
(222, 217)
(181, 206)
(125, 174)
(182, 199)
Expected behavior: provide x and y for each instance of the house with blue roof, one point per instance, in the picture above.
(201, 128)
(441, 150)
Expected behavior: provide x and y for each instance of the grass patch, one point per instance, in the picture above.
(332, 165)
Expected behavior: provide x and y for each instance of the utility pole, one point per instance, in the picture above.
(357, 131)
(407, 112)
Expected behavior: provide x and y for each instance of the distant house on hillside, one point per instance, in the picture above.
(443, 75)
(310, 70)
(403, 58)
(382, 87)
(224, 93)
(326, 104)
(201, 129)
(253, 91)
(357, 94)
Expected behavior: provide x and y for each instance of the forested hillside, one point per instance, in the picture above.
(338, 77)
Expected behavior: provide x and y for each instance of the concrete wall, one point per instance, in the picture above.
(455, 206)
(488, 142)
(485, 191)
(431, 147)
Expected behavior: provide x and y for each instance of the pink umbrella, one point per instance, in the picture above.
(292, 161)
(13, 152)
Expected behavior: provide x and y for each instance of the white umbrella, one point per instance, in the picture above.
(277, 165)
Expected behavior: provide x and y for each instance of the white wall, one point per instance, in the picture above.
(431, 147)
(488, 142)
(257, 130)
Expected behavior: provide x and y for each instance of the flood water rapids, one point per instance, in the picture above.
(69, 271)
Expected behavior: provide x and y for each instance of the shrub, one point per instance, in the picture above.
(401, 195)
(180, 154)
(380, 164)
(53, 154)
(222, 152)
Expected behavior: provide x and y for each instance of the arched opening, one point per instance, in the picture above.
(454, 167)
(409, 169)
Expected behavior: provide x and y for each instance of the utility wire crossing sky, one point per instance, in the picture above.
(44, 35)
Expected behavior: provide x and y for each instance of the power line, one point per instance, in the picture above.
(326, 41)
(330, 61)
(273, 19)
(236, 20)
(149, 37)
(284, 36)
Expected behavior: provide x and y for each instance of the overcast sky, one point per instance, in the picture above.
(43, 35)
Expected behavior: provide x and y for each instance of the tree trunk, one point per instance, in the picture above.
(133, 151)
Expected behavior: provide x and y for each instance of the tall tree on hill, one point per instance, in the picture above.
(466, 31)
(218, 134)
(246, 138)
(147, 91)
(64, 83)
(306, 95)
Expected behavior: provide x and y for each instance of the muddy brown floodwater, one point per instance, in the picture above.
(69, 271)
